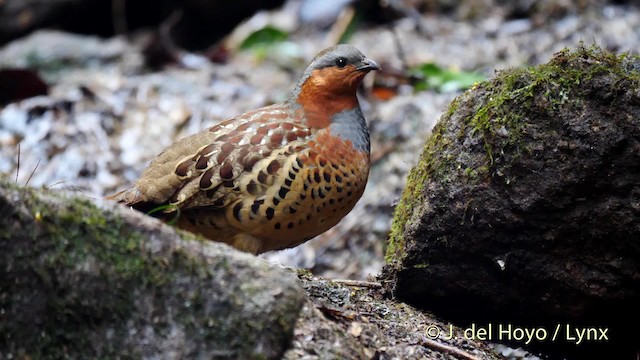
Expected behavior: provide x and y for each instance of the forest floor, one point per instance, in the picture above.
(107, 115)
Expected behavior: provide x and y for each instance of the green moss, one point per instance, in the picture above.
(428, 165)
(82, 280)
(497, 111)
(81, 232)
(67, 239)
(411, 195)
(304, 273)
(513, 95)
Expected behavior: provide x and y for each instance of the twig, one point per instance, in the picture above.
(412, 13)
(119, 15)
(340, 26)
(32, 173)
(18, 166)
(448, 349)
(59, 182)
(402, 55)
(358, 283)
(164, 32)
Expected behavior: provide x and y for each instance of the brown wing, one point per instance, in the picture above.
(204, 169)
(300, 190)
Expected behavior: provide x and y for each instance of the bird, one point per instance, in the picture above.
(271, 178)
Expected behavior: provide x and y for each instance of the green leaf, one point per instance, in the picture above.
(167, 209)
(354, 24)
(264, 37)
(433, 77)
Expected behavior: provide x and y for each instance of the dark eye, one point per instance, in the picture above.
(341, 62)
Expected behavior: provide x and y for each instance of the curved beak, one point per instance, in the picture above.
(368, 65)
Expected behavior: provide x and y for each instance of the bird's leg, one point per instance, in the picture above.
(247, 243)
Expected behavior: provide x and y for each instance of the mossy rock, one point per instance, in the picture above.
(525, 204)
(85, 281)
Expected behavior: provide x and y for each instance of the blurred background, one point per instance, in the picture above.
(92, 90)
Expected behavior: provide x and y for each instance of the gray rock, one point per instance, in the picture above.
(79, 280)
(525, 206)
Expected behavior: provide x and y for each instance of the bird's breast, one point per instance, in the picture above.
(311, 192)
(350, 125)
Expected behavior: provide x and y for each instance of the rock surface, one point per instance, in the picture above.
(80, 281)
(355, 322)
(525, 205)
(84, 281)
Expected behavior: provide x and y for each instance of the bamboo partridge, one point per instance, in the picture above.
(275, 177)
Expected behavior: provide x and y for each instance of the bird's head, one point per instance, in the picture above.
(330, 82)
